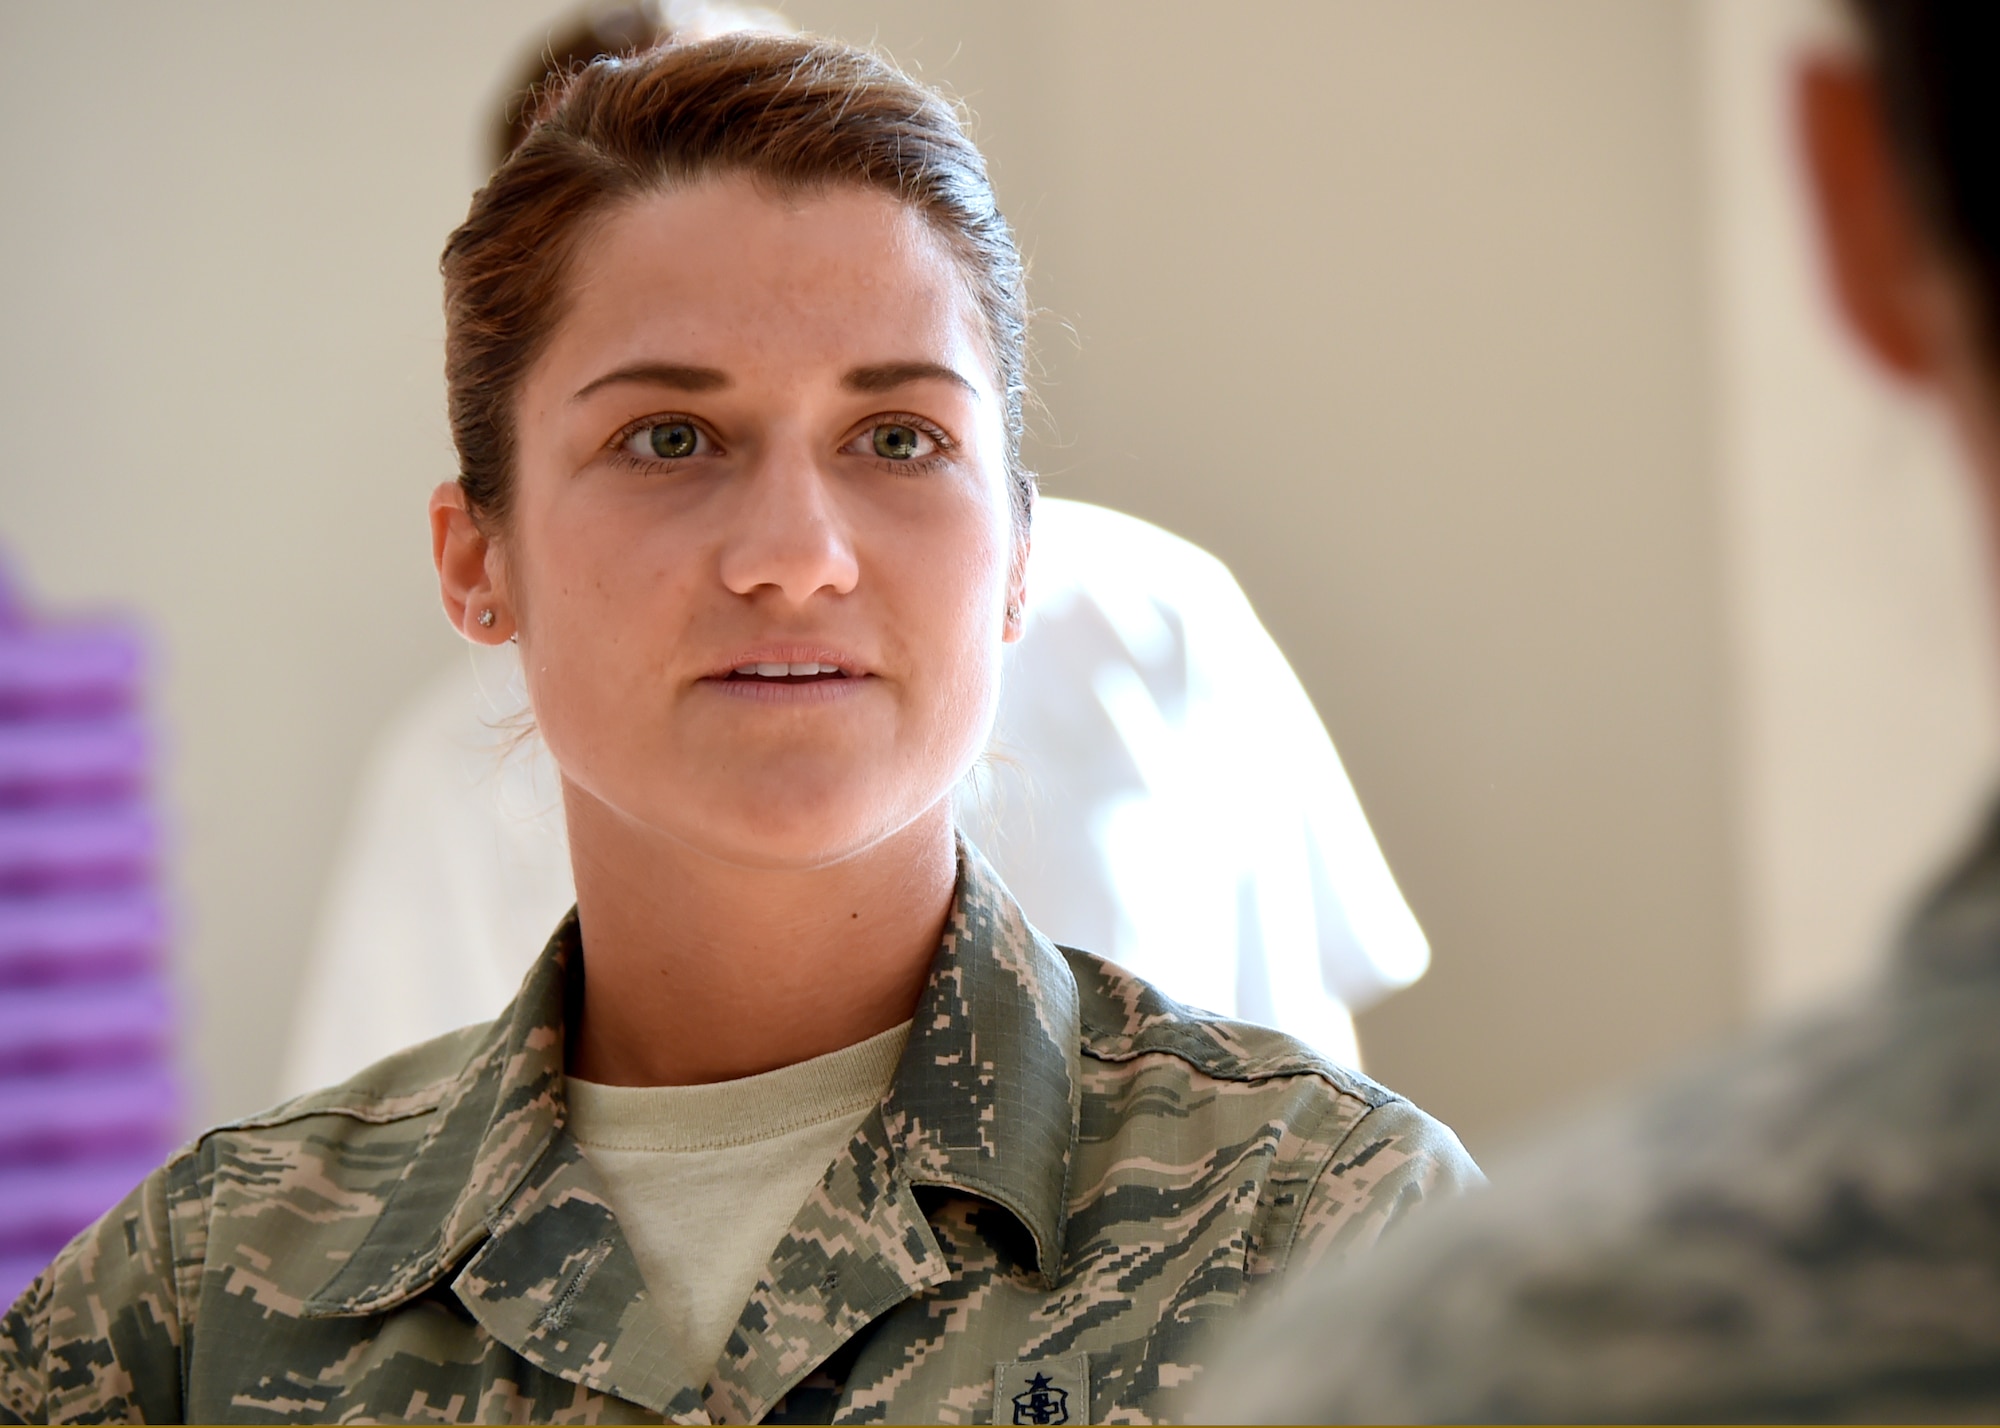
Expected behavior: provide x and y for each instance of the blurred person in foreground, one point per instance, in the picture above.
(797, 1117)
(1807, 1228)
(1161, 791)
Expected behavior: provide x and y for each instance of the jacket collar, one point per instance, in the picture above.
(494, 1124)
(991, 1062)
(987, 1095)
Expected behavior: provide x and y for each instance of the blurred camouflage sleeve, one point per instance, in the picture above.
(1393, 1160)
(97, 1338)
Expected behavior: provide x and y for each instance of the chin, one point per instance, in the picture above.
(793, 849)
(801, 829)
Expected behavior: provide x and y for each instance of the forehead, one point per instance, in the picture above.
(726, 272)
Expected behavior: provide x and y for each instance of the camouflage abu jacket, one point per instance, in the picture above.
(1070, 1179)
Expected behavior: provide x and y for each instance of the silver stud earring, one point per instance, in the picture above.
(485, 619)
(1013, 613)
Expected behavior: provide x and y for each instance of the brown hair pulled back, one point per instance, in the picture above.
(796, 113)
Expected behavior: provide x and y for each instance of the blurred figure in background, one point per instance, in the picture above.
(1808, 1229)
(1161, 790)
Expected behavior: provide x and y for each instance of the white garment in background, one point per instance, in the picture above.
(1161, 793)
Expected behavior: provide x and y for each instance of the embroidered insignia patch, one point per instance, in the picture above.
(1042, 1391)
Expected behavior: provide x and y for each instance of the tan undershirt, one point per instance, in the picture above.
(705, 1179)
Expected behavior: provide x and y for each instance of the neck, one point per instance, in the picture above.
(697, 971)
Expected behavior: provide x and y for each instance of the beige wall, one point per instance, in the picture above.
(1398, 307)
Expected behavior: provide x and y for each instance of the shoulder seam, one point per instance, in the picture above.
(1170, 1034)
(1326, 1164)
(177, 1168)
(428, 1097)
(1355, 1129)
(1281, 1263)
(1328, 1074)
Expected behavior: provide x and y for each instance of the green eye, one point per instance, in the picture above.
(896, 442)
(673, 439)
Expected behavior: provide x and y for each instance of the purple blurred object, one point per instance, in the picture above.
(41, 1203)
(107, 931)
(68, 846)
(88, 1098)
(86, 1113)
(83, 759)
(73, 1024)
(66, 670)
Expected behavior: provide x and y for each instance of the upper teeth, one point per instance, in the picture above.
(779, 671)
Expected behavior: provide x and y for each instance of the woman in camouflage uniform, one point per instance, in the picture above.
(796, 1119)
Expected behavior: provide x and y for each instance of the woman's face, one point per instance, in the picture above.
(761, 552)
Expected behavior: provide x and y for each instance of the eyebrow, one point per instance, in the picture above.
(887, 376)
(659, 374)
(881, 377)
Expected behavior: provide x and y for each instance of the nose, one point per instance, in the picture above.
(788, 534)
